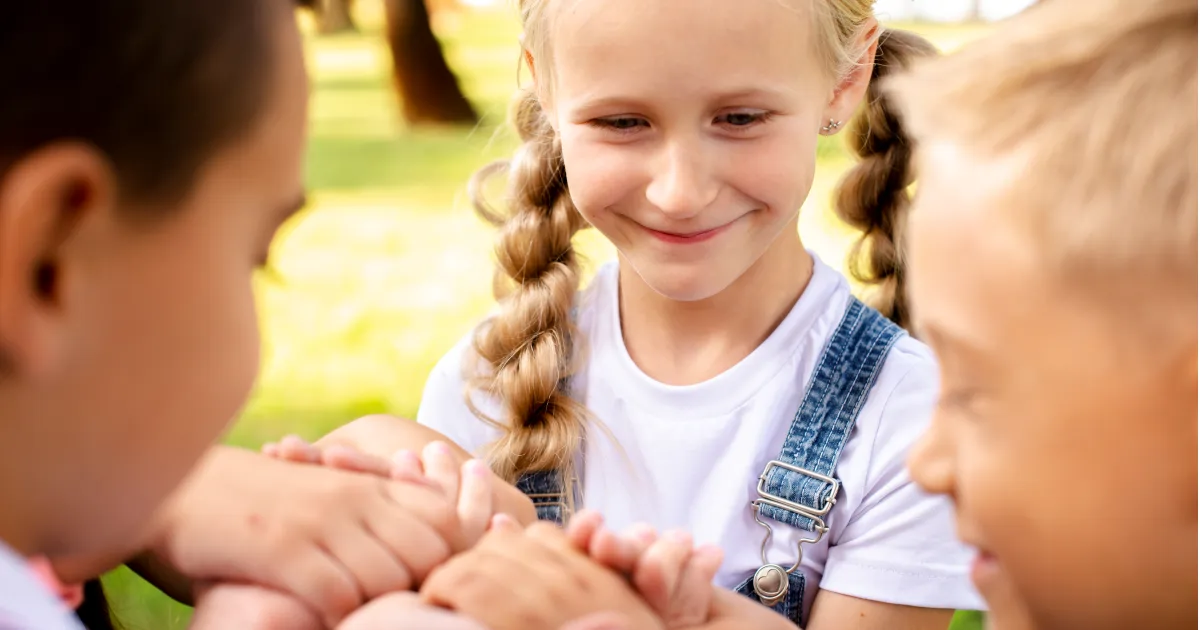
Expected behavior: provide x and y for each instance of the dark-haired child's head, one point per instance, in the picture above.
(1054, 272)
(149, 149)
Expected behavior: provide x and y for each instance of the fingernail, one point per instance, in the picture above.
(477, 468)
(502, 521)
(441, 448)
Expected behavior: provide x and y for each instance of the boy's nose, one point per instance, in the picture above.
(931, 461)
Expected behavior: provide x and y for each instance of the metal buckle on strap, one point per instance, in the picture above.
(549, 498)
(774, 501)
(555, 499)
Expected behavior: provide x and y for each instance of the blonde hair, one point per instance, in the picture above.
(529, 345)
(1097, 98)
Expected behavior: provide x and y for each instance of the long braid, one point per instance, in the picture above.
(528, 346)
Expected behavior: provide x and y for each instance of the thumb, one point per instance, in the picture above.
(599, 621)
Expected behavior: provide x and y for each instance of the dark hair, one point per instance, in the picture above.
(156, 86)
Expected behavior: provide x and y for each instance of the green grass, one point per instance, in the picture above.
(389, 267)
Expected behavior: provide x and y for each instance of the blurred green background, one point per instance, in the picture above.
(389, 267)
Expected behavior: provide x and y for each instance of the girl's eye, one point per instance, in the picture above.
(620, 123)
(743, 119)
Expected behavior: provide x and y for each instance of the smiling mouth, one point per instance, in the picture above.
(688, 238)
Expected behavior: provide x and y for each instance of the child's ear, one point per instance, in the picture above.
(850, 88)
(528, 56)
(43, 197)
(538, 87)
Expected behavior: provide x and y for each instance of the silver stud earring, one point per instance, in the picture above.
(832, 126)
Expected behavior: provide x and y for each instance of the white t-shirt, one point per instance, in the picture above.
(690, 456)
(24, 603)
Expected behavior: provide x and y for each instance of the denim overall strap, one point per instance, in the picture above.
(545, 489)
(799, 488)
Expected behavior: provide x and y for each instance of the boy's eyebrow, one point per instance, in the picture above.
(940, 337)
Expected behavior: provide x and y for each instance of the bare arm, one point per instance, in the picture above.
(383, 435)
(834, 611)
(830, 611)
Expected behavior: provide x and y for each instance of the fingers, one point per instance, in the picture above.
(660, 569)
(621, 553)
(475, 500)
(441, 467)
(430, 506)
(407, 466)
(377, 564)
(405, 610)
(317, 578)
(294, 449)
(354, 460)
(691, 600)
(249, 607)
(504, 523)
(491, 589)
(583, 527)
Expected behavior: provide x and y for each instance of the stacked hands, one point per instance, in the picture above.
(421, 541)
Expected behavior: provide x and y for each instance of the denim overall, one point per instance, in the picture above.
(797, 488)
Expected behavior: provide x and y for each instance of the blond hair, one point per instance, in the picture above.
(529, 346)
(1098, 99)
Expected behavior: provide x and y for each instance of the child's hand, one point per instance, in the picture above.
(674, 578)
(377, 444)
(405, 610)
(470, 487)
(249, 607)
(533, 579)
(332, 539)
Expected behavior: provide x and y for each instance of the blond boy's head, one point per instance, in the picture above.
(1054, 271)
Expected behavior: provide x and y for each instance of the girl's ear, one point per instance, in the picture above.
(45, 199)
(849, 91)
(529, 62)
(539, 88)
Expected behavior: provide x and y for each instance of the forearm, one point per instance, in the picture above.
(382, 436)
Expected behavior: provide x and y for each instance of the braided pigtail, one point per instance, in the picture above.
(874, 197)
(528, 347)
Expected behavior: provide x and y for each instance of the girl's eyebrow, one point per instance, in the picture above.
(587, 102)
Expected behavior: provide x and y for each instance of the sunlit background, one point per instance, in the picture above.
(388, 267)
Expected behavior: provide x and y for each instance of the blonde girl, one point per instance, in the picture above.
(717, 378)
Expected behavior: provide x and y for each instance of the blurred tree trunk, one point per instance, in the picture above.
(332, 16)
(428, 90)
